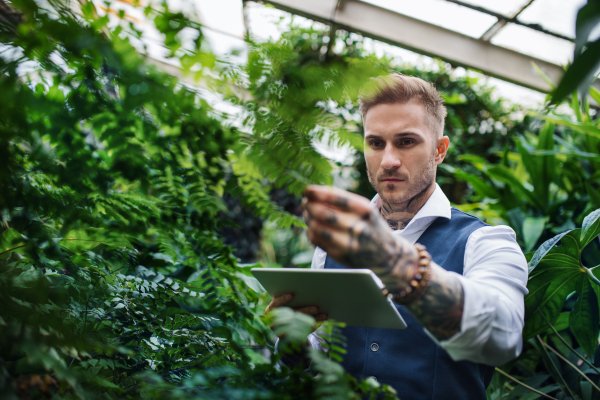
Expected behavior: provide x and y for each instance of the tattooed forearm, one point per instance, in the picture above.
(355, 234)
(440, 309)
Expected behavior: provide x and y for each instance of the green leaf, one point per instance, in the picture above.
(10, 241)
(544, 249)
(587, 19)
(557, 274)
(532, 230)
(584, 127)
(594, 195)
(590, 228)
(582, 70)
(543, 75)
(505, 175)
(80, 240)
(551, 304)
(291, 326)
(562, 322)
(584, 318)
(456, 98)
(595, 94)
(546, 163)
(479, 185)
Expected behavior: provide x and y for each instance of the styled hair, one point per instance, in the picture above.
(397, 88)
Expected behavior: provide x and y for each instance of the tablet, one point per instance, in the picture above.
(352, 296)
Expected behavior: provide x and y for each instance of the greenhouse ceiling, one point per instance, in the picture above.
(503, 39)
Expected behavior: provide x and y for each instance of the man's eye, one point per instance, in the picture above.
(406, 142)
(375, 143)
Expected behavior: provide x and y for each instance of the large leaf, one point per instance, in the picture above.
(80, 240)
(591, 227)
(551, 305)
(584, 319)
(588, 17)
(557, 274)
(10, 240)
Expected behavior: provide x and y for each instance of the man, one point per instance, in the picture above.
(463, 303)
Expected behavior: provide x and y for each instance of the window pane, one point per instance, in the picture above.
(535, 44)
(555, 15)
(447, 15)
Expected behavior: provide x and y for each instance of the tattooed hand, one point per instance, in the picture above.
(355, 234)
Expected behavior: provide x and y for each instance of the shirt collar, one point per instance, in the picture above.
(437, 205)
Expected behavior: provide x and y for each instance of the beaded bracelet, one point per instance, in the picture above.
(418, 283)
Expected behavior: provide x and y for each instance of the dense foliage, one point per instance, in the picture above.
(114, 280)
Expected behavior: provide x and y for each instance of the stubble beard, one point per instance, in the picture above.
(417, 186)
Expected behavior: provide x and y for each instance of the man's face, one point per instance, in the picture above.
(401, 151)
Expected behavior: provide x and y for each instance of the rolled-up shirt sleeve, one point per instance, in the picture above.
(494, 283)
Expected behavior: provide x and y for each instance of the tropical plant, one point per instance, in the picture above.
(544, 183)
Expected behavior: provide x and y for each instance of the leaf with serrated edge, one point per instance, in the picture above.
(80, 240)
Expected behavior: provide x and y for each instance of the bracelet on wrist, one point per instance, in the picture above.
(417, 284)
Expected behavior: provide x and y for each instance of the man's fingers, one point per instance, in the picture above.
(279, 301)
(328, 216)
(339, 198)
(333, 239)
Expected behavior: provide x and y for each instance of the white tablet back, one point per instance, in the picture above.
(352, 296)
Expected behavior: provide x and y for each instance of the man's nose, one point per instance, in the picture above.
(391, 159)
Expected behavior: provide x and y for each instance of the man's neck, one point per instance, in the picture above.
(398, 215)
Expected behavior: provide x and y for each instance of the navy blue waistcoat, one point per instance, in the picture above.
(409, 360)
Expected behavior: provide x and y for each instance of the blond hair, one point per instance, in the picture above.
(397, 88)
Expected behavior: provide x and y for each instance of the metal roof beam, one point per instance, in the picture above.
(428, 39)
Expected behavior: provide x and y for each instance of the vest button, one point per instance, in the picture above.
(374, 347)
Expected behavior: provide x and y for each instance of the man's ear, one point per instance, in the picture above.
(441, 149)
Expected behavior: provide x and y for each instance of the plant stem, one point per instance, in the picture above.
(592, 277)
(564, 383)
(582, 358)
(574, 367)
(524, 385)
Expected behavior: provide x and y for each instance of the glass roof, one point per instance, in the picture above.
(539, 28)
(542, 28)
(535, 44)
(555, 15)
(447, 15)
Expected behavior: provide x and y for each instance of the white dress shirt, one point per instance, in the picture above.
(494, 282)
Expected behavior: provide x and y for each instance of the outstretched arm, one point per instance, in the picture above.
(353, 233)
